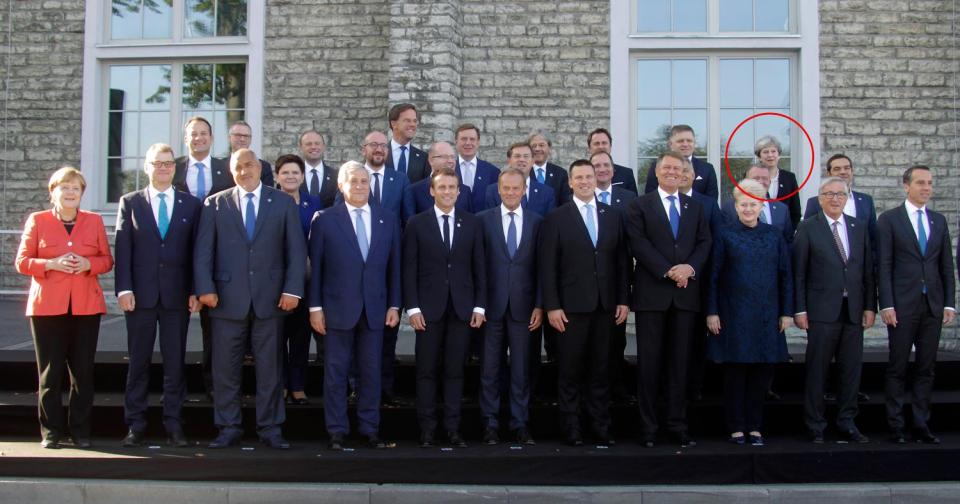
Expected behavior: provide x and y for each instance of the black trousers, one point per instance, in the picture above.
(744, 388)
(617, 365)
(441, 350)
(920, 330)
(206, 366)
(663, 345)
(296, 348)
(842, 339)
(65, 343)
(583, 354)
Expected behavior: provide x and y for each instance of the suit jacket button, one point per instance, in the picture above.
(162, 245)
(251, 273)
(69, 243)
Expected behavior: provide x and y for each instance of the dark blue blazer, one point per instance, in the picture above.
(486, 176)
(511, 282)
(417, 166)
(159, 272)
(866, 211)
(328, 190)
(541, 199)
(711, 210)
(704, 180)
(432, 274)
(392, 188)
(417, 198)
(779, 215)
(309, 205)
(555, 177)
(620, 198)
(625, 178)
(340, 281)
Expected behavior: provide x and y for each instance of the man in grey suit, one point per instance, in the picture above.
(249, 264)
(835, 298)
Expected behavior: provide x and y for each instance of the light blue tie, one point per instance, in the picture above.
(201, 182)
(591, 224)
(512, 236)
(362, 234)
(163, 221)
(540, 176)
(763, 215)
(604, 197)
(250, 221)
(674, 216)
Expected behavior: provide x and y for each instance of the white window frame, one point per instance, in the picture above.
(100, 52)
(626, 45)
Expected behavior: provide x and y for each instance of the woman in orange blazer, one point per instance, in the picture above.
(63, 250)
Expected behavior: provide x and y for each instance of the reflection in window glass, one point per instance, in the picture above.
(772, 16)
(653, 15)
(218, 93)
(215, 18)
(736, 83)
(773, 83)
(689, 83)
(140, 19)
(653, 79)
(690, 15)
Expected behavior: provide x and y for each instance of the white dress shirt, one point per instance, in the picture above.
(395, 149)
(365, 215)
(155, 203)
(774, 188)
(767, 214)
(517, 221)
(666, 202)
(468, 170)
(314, 171)
(912, 214)
(850, 208)
(583, 213)
(242, 201)
(841, 230)
(192, 174)
(536, 172)
(609, 192)
(371, 171)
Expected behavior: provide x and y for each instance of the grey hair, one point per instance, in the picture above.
(542, 133)
(831, 180)
(767, 141)
(348, 168)
(749, 186)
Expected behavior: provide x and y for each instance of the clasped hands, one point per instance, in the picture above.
(681, 273)
(68, 263)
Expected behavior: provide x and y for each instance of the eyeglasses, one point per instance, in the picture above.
(443, 156)
(239, 135)
(375, 145)
(834, 195)
(163, 164)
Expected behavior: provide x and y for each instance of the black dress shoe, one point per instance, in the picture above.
(648, 440)
(861, 397)
(603, 438)
(335, 443)
(276, 442)
(772, 396)
(524, 437)
(133, 439)
(853, 436)
(574, 439)
(81, 442)
(426, 440)
(490, 436)
(898, 437)
(925, 437)
(455, 440)
(376, 443)
(830, 397)
(684, 440)
(225, 440)
(177, 439)
(388, 401)
(50, 443)
(816, 437)
(298, 401)
(737, 440)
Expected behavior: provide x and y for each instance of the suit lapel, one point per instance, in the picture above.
(662, 212)
(377, 228)
(455, 237)
(907, 227)
(826, 231)
(526, 236)
(147, 212)
(342, 214)
(854, 238)
(581, 225)
(232, 203)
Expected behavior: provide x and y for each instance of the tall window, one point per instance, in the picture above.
(714, 16)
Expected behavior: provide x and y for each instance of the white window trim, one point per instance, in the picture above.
(625, 44)
(98, 52)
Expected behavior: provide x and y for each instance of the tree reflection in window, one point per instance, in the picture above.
(215, 18)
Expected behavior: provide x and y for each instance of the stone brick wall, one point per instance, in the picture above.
(41, 66)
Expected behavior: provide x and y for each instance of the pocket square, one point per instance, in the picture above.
(699, 177)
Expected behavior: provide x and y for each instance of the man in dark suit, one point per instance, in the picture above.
(615, 196)
(475, 173)
(916, 287)
(354, 294)
(546, 172)
(418, 198)
(249, 266)
(539, 197)
(403, 156)
(514, 308)
(682, 140)
(319, 176)
(600, 140)
(583, 277)
(240, 136)
(859, 204)
(773, 212)
(670, 240)
(445, 292)
(201, 175)
(154, 285)
(835, 298)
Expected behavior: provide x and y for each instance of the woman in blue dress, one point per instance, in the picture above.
(750, 303)
(289, 172)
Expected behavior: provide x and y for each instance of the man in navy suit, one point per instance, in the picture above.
(546, 172)
(916, 287)
(539, 198)
(417, 197)
(859, 204)
(445, 292)
(403, 156)
(249, 266)
(613, 195)
(354, 294)
(319, 176)
(201, 175)
(670, 240)
(682, 140)
(600, 140)
(513, 311)
(583, 277)
(154, 286)
(475, 173)
(773, 212)
(240, 135)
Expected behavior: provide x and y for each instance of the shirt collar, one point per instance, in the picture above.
(580, 204)
(831, 220)
(540, 167)
(351, 208)
(504, 211)
(461, 160)
(440, 213)
(205, 161)
(912, 209)
(394, 145)
(608, 190)
(689, 193)
(152, 192)
(664, 194)
(255, 192)
(371, 170)
(318, 166)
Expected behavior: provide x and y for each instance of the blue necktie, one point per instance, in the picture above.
(604, 197)
(201, 182)
(446, 231)
(376, 188)
(591, 224)
(250, 222)
(512, 236)
(540, 176)
(674, 216)
(763, 215)
(921, 233)
(402, 164)
(163, 221)
(315, 182)
(362, 234)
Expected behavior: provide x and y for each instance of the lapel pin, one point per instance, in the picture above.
(304, 204)
(391, 179)
(269, 200)
(684, 206)
(381, 221)
(853, 225)
(458, 224)
(218, 172)
(183, 220)
(618, 200)
(179, 201)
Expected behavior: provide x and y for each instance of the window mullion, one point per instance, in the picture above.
(176, 106)
(179, 13)
(713, 137)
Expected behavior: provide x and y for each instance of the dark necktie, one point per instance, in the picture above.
(674, 216)
(839, 242)
(250, 221)
(314, 182)
(512, 236)
(376, 188)
(201, 181)
(402, 163)
(446, 231)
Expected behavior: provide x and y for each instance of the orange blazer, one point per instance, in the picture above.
(51, 292)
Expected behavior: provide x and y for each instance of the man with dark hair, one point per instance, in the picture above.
(417, 197)
(539, 197)
(600, 140)
(319, 176)
(916, 287)
(403, 156)
(240, 135)
(546, 172)
(475, 173)
(682, 140)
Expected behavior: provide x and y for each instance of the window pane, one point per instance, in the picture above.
(153, 128)
(690, 15)
(696, 119)
(198, 86)
(773, 16)
(156, 87)
(131, 130)
(157, 18)
(736, 83)
(690, 83)
(114, 133)
(653, 127)
(773, 83)
(653, 15)
(738, 167)
(231, 18)
(778, 127)
(742, 144)
(124, 87)
(125, 19)
(736, 15)
(653, 80)
(199, 18)
(231, 85)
